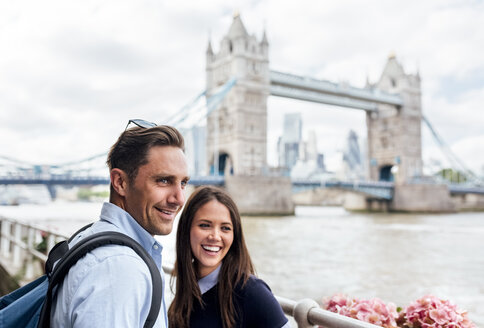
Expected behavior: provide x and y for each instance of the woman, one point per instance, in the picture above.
(215, 282)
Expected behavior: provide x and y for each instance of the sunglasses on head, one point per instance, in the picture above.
(141, 123)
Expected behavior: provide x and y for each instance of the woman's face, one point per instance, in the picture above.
(211, 236)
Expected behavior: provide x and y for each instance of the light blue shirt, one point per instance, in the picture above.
(111, 286)
(210, 280)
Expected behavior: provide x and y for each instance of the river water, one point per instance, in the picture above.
(326, 250)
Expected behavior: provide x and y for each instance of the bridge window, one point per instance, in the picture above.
(230, 47)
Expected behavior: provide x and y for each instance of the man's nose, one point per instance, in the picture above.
(177, 196)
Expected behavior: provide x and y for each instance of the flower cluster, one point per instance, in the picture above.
(432, 312)
(426, 312)
(374, 311)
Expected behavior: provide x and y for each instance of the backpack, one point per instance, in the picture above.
(30, 305)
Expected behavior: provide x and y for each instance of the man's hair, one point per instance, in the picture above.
(131, 149)
(236, 265)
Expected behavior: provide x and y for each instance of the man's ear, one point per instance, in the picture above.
(119, 181)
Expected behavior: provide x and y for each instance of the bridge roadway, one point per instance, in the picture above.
(66, 180)
(375, 189)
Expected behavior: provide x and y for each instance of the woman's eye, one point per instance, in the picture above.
(203, 225)
(226, 228)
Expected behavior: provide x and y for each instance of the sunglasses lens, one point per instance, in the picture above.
(142, 123)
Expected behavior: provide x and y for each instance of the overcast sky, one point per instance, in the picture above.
(73, 72)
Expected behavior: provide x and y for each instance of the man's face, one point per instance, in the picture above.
(158, 192)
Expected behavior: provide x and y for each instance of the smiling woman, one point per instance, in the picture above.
(215, 282)
(211, 236)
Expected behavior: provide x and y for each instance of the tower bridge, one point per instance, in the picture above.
(238, 83)
(237, 130)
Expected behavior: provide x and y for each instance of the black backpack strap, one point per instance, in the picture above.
(79, 231)
(85, 246)
(59, 250)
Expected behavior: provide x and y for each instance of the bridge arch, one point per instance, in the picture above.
(224, 164)
(387, 173)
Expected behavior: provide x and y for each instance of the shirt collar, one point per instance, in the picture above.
(207, 282)
(128, 225)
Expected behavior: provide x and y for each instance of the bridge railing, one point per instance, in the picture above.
(22, 243)
(19, 245)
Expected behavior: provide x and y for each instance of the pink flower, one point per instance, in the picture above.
(432, 312)
(374, 311)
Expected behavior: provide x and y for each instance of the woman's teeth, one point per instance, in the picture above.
(211, 248)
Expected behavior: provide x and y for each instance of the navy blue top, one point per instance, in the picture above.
(255, 307)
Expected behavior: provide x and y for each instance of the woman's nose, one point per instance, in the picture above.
(214, 235)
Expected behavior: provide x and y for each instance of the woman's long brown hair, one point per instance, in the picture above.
(236, 266)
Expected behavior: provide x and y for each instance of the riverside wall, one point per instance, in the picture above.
(407, 198)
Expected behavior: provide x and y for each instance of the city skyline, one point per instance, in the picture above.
(71, 78)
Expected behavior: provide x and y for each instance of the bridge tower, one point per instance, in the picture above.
(394, 133)
(237, 130)
(395, 145)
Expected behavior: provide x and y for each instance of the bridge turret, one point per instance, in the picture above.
(237, 130)
(394, 133)
(264, 44)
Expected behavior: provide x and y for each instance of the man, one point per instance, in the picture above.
(111, 286)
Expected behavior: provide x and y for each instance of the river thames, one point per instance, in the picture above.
(321, 251)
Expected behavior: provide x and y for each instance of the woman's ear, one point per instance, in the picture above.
(119, 181)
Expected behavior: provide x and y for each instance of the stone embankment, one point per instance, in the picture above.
(7, 283)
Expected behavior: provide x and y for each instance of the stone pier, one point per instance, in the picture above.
(422, 198)
(406, 198)
(261, 195)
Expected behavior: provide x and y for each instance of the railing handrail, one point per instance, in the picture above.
(307, 313)
(36, 227)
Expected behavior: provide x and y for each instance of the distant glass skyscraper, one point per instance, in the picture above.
(195, 149)
(290, 141)
(352, 156)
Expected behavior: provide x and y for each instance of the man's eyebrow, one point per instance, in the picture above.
(169, 177)
(163, 176)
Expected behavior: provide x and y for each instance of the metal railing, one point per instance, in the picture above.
(19, 241)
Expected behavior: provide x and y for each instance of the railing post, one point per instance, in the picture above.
(16, 246)
(29, 270)
(301, 311)
(50, 242)
(6, 232)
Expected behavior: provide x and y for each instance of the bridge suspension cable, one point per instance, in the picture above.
(183, 113)
(80, 161)
(455, 162)
(197, 110)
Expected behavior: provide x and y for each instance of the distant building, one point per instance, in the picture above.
(196, 149)
(353, 161)
(289, 143)
(310, 164)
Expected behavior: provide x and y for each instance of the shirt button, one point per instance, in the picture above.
(155, 246)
